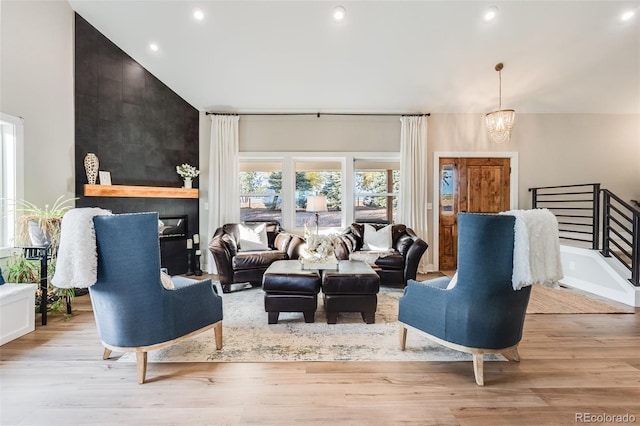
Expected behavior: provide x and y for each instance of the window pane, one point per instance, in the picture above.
(376, 208)
(377, 184)
(324, 179)
(260, 191)
(446, 189)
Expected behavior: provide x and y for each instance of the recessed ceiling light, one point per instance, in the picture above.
(627, 15)
(153, 47)
(491, 13)
(339, 13)
(198, 14)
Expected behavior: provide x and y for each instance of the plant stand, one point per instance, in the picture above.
(43, 254)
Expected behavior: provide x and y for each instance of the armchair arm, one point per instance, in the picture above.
(412, 259)
(193, 306)
(222, 256)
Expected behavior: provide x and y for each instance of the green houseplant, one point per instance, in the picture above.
(39, 227)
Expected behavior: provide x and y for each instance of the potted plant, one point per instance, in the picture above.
(20, 269)
(40, 227)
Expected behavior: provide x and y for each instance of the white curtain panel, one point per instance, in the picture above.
(224, 186)
(412, 203)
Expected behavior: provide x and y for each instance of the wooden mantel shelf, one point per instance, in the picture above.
(138, 191)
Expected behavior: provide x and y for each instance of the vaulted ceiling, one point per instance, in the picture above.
(385, 56)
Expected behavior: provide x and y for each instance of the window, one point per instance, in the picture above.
(362, 186)
(260, 191)
(11, 131)
(377, 184)
(322, 178)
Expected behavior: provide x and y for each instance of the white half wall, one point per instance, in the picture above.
(589, 271)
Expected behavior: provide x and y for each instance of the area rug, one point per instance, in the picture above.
(248, 338)
(546, 300)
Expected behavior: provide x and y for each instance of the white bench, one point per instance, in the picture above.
(17, 310)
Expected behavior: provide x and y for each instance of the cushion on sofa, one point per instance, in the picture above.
(253, 237)
(256, 259)
(166, 281)
(376, 239)
(281, 241)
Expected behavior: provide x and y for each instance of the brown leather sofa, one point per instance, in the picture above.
(236, 266)
(392, 268)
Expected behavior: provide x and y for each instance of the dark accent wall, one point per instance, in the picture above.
(138, 127)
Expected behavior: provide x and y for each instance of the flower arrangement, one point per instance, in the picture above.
(187, 171)
(319, 248)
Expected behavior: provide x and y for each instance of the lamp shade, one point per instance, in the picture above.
(316, 203)
(499, 124)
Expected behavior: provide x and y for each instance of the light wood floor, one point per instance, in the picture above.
(570, 364)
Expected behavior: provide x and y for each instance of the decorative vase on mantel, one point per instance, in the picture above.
(188, 183)
(91, 165)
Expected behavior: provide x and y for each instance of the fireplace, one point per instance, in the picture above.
(173, 232)
(173, 227)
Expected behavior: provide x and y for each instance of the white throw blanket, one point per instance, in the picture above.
(77, 263)
(536, 252)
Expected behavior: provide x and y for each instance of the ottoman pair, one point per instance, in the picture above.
(351, 288)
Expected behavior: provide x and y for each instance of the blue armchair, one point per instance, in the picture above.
(481, 313)
(133, 311)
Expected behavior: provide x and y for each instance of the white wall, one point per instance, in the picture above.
(553, 149)
(36, 83)
(324, 134)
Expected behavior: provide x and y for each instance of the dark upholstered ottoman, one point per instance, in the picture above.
(287, 288)
(352, 288)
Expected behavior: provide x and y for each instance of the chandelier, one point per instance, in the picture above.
(500, 122)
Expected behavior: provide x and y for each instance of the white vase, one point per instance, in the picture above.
(187, 183)
(91, 165)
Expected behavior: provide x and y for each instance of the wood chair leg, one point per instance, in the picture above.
(478, 368)
(106, 354)
(514, 354)
(403, 337)
(141, 363)
(218, 332)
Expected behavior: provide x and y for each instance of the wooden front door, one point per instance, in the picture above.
(474, 185)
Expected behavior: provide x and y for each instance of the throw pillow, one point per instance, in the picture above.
(253, 237)
(166, 281)
(379, 240)
(453, 281)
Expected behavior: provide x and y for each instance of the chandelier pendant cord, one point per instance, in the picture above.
(500, 91)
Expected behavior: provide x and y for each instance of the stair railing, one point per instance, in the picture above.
(577, 208)
(620, 228)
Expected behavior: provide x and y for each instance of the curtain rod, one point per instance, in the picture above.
(318, 114)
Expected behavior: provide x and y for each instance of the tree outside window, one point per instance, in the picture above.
(261, 191)
(377, 185)
(319, 178)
